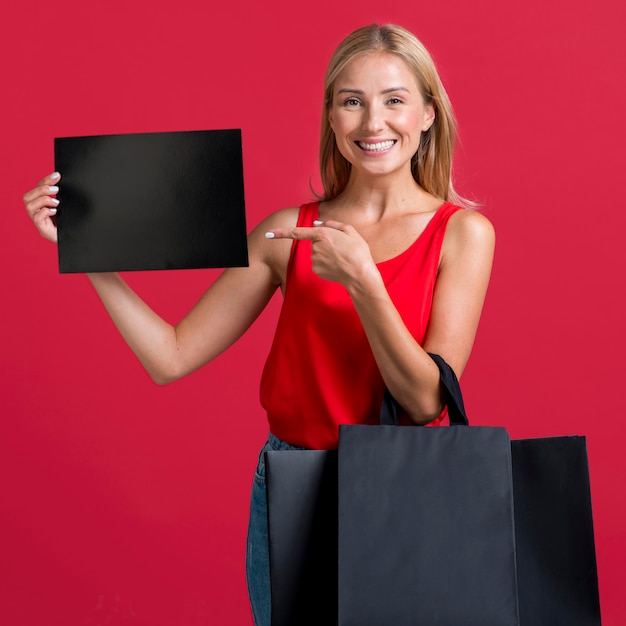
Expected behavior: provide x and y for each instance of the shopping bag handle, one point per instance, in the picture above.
(451, 393)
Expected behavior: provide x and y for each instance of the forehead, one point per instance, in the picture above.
(376, 70)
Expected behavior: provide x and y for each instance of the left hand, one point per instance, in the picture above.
(338, 252)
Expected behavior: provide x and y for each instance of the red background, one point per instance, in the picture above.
(125, 503)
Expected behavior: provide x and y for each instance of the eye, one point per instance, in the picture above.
(395, 100)
(351, 102)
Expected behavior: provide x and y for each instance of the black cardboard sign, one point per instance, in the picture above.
(151, 201)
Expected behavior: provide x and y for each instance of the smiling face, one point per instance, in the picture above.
(378, 113)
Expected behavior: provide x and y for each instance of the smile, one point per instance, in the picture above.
(376, 147)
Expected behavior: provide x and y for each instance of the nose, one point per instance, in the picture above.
(373, 118)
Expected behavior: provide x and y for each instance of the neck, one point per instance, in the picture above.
(375, 197)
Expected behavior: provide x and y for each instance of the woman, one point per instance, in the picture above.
(385, 268)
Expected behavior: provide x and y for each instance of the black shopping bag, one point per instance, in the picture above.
(556, 559)
(302, 524)
(426, 531)
(426, 528)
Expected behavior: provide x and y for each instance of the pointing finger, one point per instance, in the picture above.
(299, 232)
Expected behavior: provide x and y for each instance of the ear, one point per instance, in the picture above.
(429, 117)
(330, 118)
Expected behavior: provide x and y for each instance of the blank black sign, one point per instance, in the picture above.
(151, 201)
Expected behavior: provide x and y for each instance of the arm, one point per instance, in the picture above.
(340, 254)
(409, 373)
(219, 318)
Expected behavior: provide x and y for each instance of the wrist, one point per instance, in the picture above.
(367, 284)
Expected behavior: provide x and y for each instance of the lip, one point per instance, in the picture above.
(377, 146)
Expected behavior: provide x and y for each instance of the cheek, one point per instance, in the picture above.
(411, 122)
(342, 140)
(338, 122)
(342, 128)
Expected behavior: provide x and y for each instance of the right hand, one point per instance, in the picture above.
(41, 205)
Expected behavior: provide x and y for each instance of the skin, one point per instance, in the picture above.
(379, 214)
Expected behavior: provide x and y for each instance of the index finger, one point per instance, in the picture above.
(299, 232)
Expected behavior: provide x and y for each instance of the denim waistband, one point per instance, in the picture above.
(279, 444)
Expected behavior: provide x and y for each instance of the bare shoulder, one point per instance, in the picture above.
(469, 241)
(469, 228)
(470, 223)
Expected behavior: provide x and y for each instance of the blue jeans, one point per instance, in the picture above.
(257, 553)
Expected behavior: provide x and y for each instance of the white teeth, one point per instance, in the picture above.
(376, 147)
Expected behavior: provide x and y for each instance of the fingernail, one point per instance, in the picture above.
(53, 189)
(317, 222)
(55, 175)
(55, 201)
(269, 235)
(53, 211)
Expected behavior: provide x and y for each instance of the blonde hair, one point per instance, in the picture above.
(432, 164)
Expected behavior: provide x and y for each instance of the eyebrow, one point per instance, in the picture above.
(360, 92)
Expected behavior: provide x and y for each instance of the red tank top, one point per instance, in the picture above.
(320, 371)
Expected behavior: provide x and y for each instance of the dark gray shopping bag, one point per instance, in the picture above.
(426, 530)
(426, 523)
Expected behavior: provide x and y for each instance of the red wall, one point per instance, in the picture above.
(125, 503)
